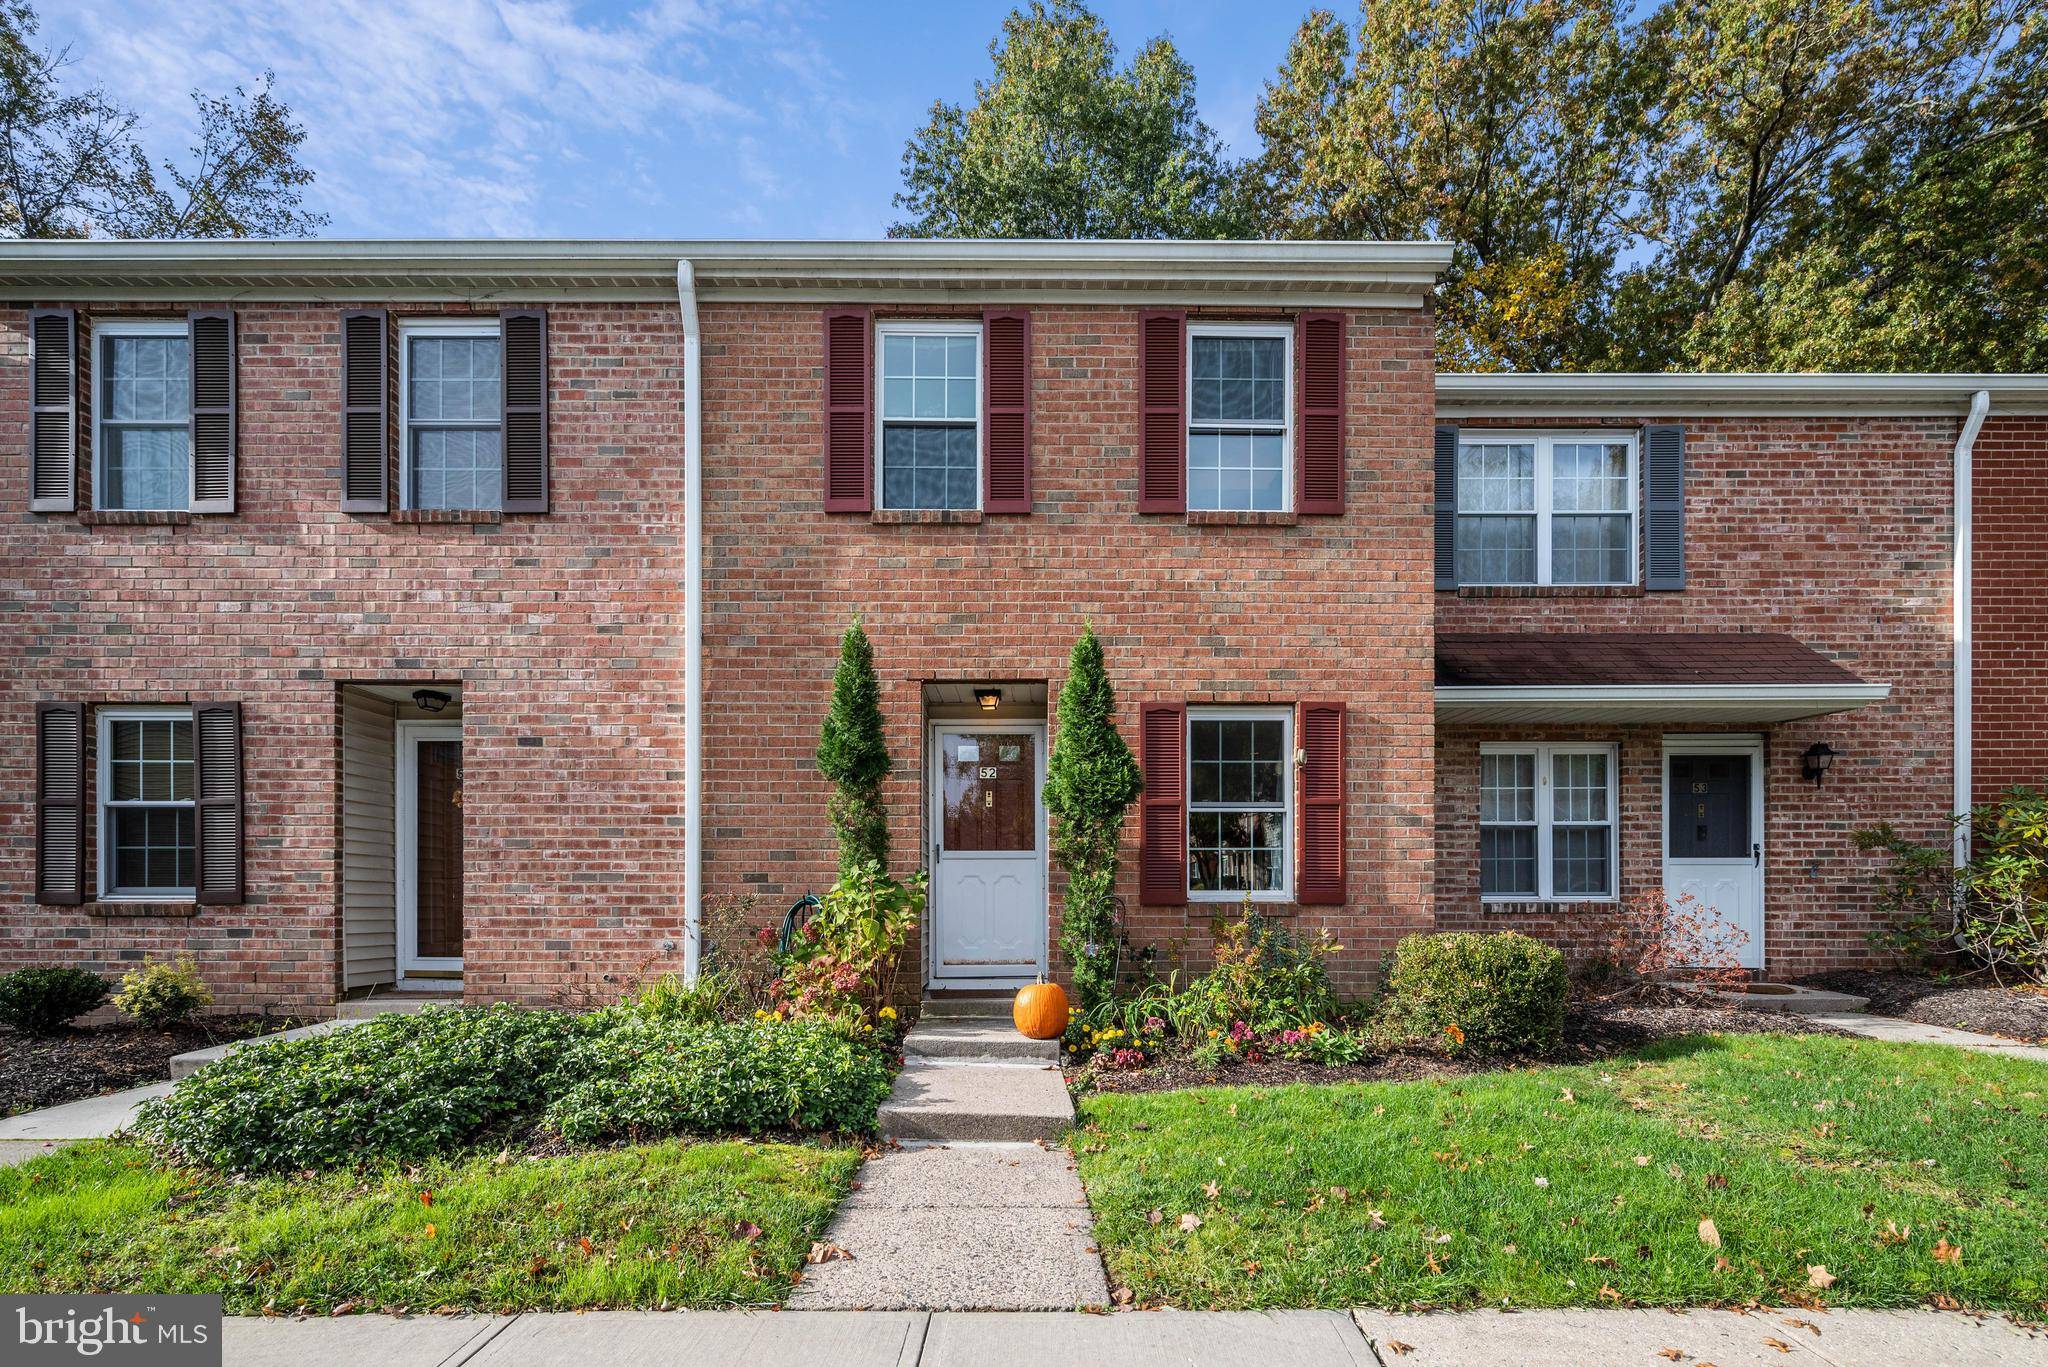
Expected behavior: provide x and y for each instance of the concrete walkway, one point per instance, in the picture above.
(974, 1204)
(1296, 1338)
(1913, 1032)
(35, 1133)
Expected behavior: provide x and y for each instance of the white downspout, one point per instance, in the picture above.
(1980, 404)
(693, 621)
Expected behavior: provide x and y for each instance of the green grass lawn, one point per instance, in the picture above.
(1588, 1185)
(660, 1225)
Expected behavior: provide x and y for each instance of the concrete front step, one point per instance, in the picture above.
(966, 1037)
(363, 1008)
(948, 1100)
(956, 1006)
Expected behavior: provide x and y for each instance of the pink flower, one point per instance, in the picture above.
(1153, 1025)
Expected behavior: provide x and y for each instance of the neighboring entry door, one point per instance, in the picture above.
(1713, 836)
(430, 848)
(988, 911)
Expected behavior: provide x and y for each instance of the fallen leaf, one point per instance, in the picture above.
(1601, 1260)
(1375, 1220)
(344, 1308)
(1190, 1223)
(1892, 1234)
(583, 1242)
(426, 1198)
(1716, 1180)
(1778, 1344)
(430, 1230)
(1543, 1181)
(1608, 1293)
(1251, 1269)
(1508, 1249)
(1674, 1354)
(1398, 1348)
(1122, 1295)
(1153, 1217)
(1819, 1277)
(823, 1252)
(747, 1230)
(1710, 1235)
(1211, 1190)
(1642, 1160)
(1567, 1098)
(1946, 1252)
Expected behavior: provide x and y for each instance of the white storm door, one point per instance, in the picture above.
(1714, 833)
(988, 912)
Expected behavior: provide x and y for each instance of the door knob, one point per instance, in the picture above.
(1756, 853)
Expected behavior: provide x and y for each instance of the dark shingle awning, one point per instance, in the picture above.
(1639, 677)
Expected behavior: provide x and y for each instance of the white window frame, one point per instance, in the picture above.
(1283, 715)
(1283, 331)
(408, 329)
(930, 328)
(103, 779)
(1545, 443)
(104, 330)
(1546, 811)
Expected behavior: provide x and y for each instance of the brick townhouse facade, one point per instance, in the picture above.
(460, 615)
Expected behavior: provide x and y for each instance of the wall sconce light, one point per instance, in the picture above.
(1814, 764)
(430, 699)
(989, 698)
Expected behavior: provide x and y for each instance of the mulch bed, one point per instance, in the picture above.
(1976, 1004)
(106, 1058)
(1592, 1031)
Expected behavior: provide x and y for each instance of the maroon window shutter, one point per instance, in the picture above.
(523, 348)
(53, 412)
(1163, 809)
(60, 803)
(1319, 431)
(849, 468)
(1320, 727)
(212, 350)
(217, 794)
(365, 411)
(1163, 438)
(1006, 448)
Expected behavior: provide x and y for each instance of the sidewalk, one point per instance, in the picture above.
(1896, 1031)
(1296, 1338)
(35, 1133)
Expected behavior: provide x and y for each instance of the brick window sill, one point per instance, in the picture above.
(416, 517)
(130, 909)
(1538, 907)
(1211, 518)
(133, 517)
(1551, 591)
(917, 517)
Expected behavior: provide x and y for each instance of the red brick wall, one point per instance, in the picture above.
(564, 631)
(1835, 531)
(1331, 608)
(2009, 610)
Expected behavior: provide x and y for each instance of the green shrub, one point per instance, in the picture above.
(1482, 994)
(402, 1086)
(1091, 780)
(641, 1078)
(38, 1001)
(853, 753)
(713, 997)
(1265, 975)
(157, 995)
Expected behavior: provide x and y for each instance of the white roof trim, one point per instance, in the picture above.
(1650, 396)
(1262, 274)
(1644, 703)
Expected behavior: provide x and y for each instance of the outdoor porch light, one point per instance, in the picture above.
(430, 699)
(989, 698)
(1816, 761)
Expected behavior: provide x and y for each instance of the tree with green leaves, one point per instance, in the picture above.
(72, 165)
(1062, 142)
(1091, 779)
(854, 756)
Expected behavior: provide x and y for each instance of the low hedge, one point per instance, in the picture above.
(38, 1001)
(1481, 994)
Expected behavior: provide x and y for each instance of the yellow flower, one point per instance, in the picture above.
(1214, 1033)
(887, 1013)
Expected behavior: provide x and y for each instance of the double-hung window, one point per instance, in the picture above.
(142, 421)
(1239, 417)
(1239, 803)
(452, 414)
(1546, 509)
(148, 825)
(1546, 822)
(928, 442)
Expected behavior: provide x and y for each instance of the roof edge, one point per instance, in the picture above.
(1732, 393)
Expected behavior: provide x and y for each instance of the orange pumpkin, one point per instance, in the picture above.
(1041, 1011)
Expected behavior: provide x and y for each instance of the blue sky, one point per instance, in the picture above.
(634, 118)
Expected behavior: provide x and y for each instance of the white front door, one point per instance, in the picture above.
(1714, 834)
(987, 911)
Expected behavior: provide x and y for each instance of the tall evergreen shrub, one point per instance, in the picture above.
(852, 753)
(1091, 780)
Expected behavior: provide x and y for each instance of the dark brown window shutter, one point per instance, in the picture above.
(1163, 436)
(60, 803)
(365, 411)
(1319, 432)
(53, 412)
(849, 465)
(217, 750)
(1320, 734)
(212, 348)
(1006, 446)
(1163, 809)
(523, 337)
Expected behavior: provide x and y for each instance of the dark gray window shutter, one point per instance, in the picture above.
(1664, 507)
(60, 803)
(212, 349)
(365, 411)
(524, 333)
(1447, 507)
(53, 411)
(217, 794)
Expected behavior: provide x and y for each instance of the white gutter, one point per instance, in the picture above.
(1576, 397)
(1645, 702)
(1966, 444)
(693, 620)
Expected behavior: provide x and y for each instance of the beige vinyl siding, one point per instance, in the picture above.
(369, 864)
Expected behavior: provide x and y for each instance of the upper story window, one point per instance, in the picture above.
(928, 441)
(1546, 509)
(451, 414)
(142, 422)
(1546, 822)
(1239, 417)
(148, 824)
(1238, 803)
